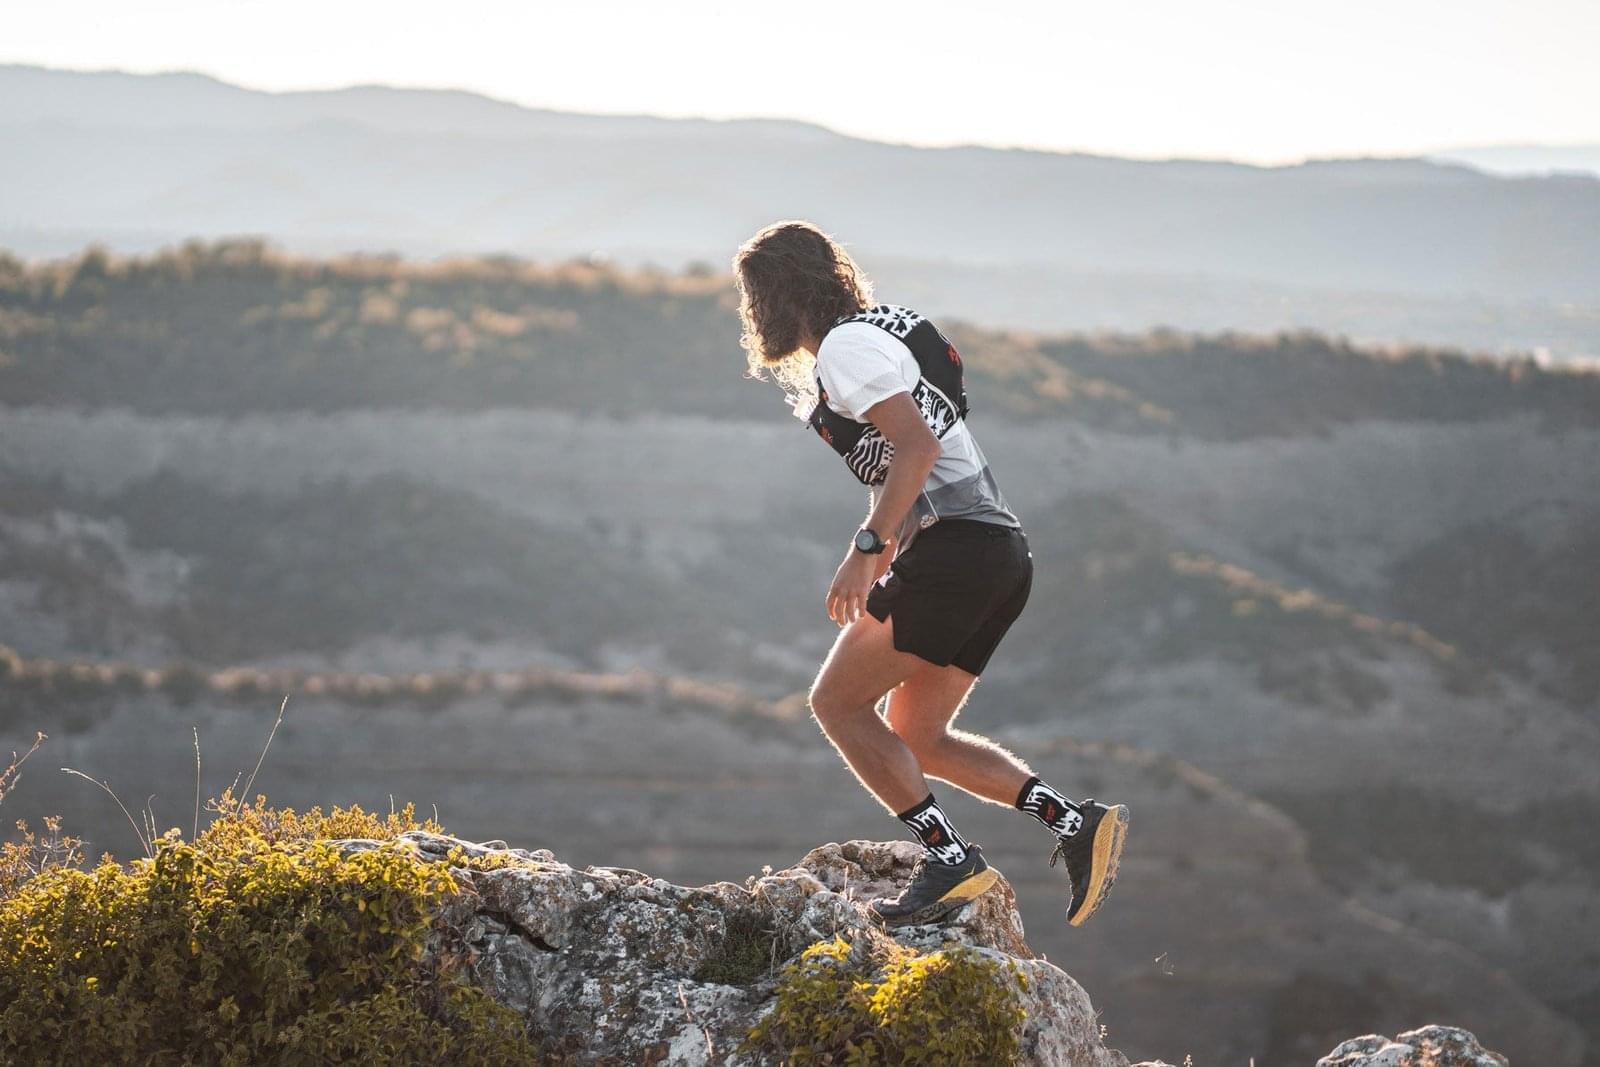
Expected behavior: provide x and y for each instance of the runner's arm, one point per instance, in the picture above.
(915, 450)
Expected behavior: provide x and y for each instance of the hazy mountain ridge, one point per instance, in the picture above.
(1394, 249)
(110, 98)
(1526, 159)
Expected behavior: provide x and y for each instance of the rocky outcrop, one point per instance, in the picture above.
(1431, 1046)
(611, 965)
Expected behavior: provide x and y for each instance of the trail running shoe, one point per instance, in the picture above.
(935, 890)
(1092, 855)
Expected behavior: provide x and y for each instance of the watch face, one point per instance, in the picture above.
(866, 541)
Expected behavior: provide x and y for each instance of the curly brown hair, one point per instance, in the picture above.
(794, 280)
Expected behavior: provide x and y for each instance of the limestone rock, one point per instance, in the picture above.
(606, 962)
(603, 961)
(1431, 1046)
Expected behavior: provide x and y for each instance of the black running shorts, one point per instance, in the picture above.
(955, 591)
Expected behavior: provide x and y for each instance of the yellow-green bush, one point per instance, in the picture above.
(257, 944)
(878, 1003)
(36, 851)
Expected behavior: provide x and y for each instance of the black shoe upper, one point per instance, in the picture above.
(930, 880)
(1078, 852)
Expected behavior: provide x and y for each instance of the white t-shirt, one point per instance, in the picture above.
(861, 364)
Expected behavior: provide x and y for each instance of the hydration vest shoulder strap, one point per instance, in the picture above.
(937, 358)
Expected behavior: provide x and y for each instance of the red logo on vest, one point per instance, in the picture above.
(955, 357)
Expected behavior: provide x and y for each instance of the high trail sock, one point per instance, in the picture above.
(929, 824)
(1061, 815)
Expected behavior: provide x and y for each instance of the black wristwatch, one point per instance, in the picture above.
(868, 541)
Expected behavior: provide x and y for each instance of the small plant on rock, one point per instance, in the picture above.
(875, 1003)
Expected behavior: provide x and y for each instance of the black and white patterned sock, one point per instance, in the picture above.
(1061, 815)
(928, 822)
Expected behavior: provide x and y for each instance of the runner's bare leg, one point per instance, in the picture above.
(921, 709)
(862, 666)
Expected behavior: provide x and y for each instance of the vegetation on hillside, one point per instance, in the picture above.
(268, 576)
(1519, 593)
(1229, 386)
(76, 692)
(1123, 591)
(233, 327)
(338, 563)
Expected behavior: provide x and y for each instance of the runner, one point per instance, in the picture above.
(929, 584)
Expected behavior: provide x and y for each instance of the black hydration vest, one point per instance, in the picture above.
(939, 393)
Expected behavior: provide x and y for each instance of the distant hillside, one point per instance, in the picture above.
(1378, 249)
(1526, 159)
(234, 327)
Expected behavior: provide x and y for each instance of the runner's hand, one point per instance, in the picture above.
(847, 596)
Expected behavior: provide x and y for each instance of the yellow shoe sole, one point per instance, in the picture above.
(972, 888)
(1108, 839)
(953, 900)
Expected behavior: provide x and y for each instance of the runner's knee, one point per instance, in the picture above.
(827, 704)
(921, 738)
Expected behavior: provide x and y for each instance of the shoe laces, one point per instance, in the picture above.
(1059, 852)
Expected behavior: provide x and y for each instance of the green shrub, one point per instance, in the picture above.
(257, 944)
(744, 954)
(878, 1003)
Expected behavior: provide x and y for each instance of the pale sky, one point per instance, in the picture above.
(1260, 80)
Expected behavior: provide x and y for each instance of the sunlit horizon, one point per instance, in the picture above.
(1289, 161)
(1243, 81)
